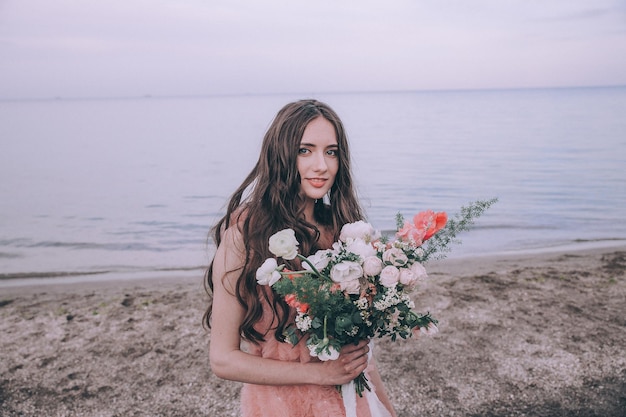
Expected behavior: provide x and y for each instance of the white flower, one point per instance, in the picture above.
(395, 256)
(267, 273)
(380, 246)
(284, 244)
(360, 247)
(319, 259)
(419, 271)
(358, 230)
(390, 298)
(354, 331)
(372, 265)
(389, 276)
(346, 271)
(337, 247)
(303, 322)
(431, 330)
(362, 304)
(327, 352)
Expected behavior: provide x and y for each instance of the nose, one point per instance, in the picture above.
(319, 164)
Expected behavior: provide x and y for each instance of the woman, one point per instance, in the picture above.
(304, 161)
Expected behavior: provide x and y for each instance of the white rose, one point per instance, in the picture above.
(372, 265)
(284, 244)
(407, 277)
(351, 287)
(346, 271)
(389, 276)
(358, 230)
(319, 260)
(419, 271)
(395, 256)
(267, 273)
(360, 247)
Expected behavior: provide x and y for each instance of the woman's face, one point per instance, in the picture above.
(318, 158)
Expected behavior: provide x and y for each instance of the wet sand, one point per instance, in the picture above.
(520, 335)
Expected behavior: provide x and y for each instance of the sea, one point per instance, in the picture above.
(130, 187)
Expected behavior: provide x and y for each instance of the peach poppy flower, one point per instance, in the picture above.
(430, 222)
(425, 225)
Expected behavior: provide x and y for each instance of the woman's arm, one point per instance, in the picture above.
(229, 362)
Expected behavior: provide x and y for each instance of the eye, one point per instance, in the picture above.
(303, 151)
(332, 152)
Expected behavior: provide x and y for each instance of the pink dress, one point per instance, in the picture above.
(290, 400)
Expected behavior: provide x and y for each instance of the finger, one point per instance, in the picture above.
(357, 363)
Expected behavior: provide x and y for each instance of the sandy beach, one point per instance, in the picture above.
(520, 335)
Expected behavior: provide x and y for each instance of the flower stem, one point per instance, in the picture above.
(313, 268)
(325, 321)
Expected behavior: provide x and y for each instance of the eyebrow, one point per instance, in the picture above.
(312, 145)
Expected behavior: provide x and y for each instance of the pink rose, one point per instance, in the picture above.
(419, 271)
(389, 276)
(351, 287)
(407, 277)
(395, 256)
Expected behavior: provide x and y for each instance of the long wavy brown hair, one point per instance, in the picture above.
(269, 200)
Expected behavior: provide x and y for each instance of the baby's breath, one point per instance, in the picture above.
(303, 322)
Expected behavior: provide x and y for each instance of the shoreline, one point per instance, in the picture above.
(532, 335)
(58, 278)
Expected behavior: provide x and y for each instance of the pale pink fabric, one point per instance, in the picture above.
(290, 400)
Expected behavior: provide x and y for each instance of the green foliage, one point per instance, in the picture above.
(399, 221)
(438, 245)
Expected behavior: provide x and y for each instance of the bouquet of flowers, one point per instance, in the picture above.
(361, 288)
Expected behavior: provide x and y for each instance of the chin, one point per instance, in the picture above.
(315, 194)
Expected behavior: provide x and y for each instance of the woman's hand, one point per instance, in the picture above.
(351, 362)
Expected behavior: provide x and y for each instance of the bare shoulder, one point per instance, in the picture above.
(232, 237)
(229, 259)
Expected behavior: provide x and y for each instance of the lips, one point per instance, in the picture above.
(317, 182)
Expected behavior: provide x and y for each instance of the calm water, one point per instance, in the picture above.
(132, 186)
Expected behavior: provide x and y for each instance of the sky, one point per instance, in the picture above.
(113, 48)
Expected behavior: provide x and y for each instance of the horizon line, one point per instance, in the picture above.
(149, 96)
